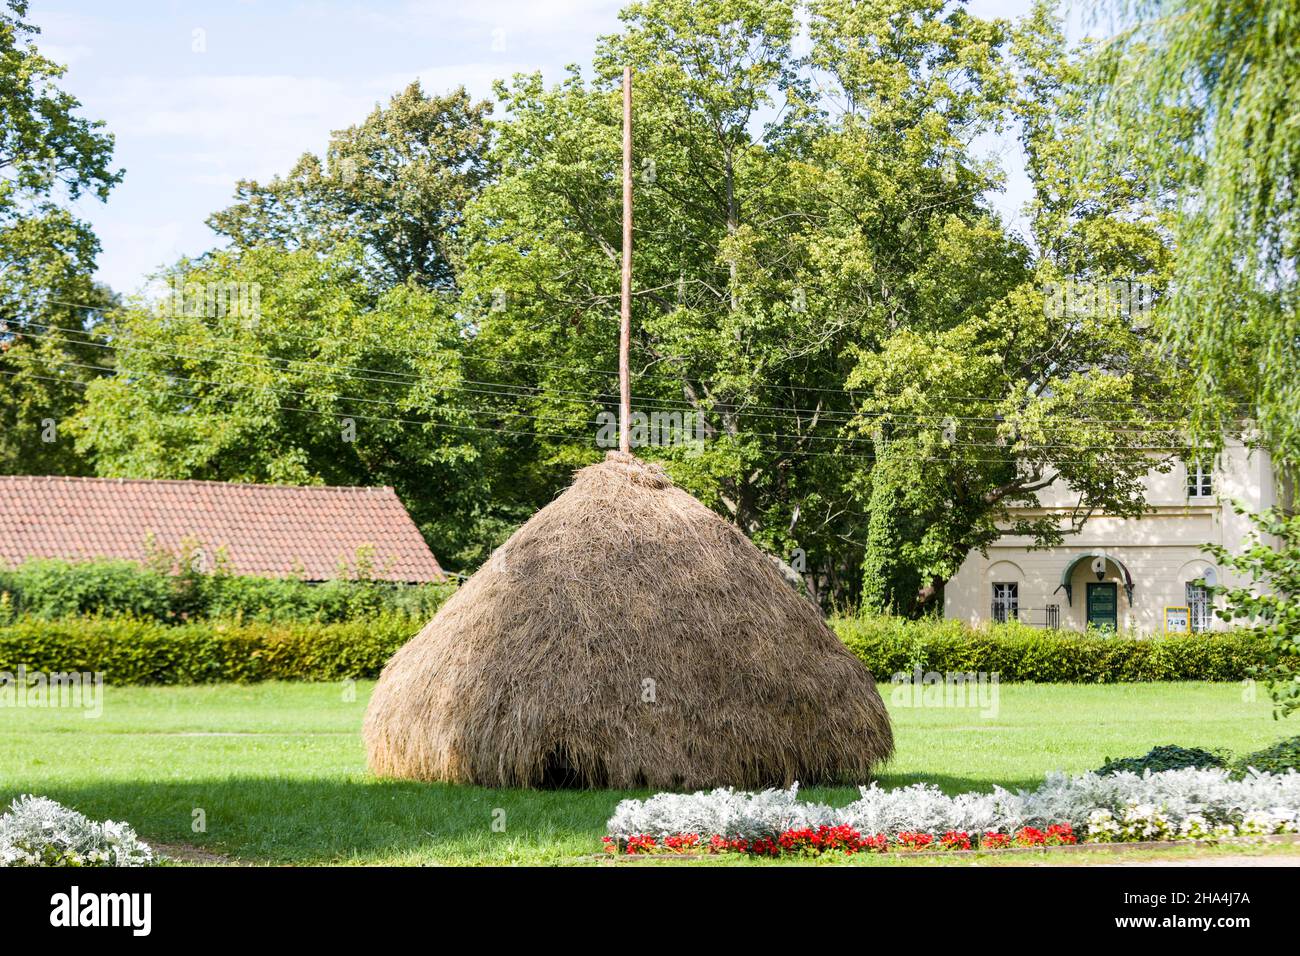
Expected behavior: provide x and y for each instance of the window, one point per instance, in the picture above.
(1198, 601)
(1053, 616)
(1006, 602)
(1199, 482)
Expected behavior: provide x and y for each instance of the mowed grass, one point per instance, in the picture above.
(278, 770)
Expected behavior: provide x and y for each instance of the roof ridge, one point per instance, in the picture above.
(192, 481)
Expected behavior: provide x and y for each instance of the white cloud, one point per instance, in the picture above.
(210, 127)
(132, 251)
(275, 80)
(533, 19)
(65, 55)
(186, 141)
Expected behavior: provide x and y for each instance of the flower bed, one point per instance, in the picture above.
(1186, 804)
(805, 841)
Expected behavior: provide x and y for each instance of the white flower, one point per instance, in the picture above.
(1103, 827)
(1195, 827)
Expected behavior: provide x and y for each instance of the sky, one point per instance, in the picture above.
(200, 94)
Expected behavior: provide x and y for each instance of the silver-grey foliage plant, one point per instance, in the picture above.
(1210, 796)
(37, 831)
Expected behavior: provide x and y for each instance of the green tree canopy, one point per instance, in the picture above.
(398, 183)
(1206, 91)
(978, 413)
(816, 263)
(49, 156)
(275, 366)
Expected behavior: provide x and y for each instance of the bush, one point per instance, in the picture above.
(141, 650)
(47, 588)
(1167, 757)
(1279, 758)
(53, 589)
(134, 651)
(39, 832)
(1020, 653)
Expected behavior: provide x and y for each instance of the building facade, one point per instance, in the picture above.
(1135, 574)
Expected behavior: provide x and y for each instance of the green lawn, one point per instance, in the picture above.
(279, 769)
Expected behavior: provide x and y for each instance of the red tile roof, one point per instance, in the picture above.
(266, 530)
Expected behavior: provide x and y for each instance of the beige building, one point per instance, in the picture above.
(1130, 573)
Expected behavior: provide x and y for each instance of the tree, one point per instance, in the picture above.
(1206, 89)
(768, 253)
(330, 382)
(48, 346)
(544, 257)
(398, 182)
(1273, 560)
(981, 411)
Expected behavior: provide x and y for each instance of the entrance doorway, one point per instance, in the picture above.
(1103, 606)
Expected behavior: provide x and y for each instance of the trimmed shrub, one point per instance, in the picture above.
(53, 589)
(134, 651)
(1020, 653)
(1168, 757)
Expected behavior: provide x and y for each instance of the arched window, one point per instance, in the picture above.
(1200, 601)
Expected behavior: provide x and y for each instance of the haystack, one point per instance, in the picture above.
(626, 636)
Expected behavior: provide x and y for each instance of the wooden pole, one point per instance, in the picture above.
(625, 329)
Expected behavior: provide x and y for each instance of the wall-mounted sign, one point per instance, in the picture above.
(1178, 620)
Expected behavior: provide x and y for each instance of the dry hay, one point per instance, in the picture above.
(626, 636)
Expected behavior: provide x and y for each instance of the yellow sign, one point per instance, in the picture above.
(1178, 620)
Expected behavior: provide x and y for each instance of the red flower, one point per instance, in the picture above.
(1030, 836)
(914, 841)
(844, 839)
(955, 840)
(641, 844)
(876, 844)
(994, 841)
(1060, 834)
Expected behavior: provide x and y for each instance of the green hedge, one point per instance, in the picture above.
(54, 589)
(139, 651)
(1017, 652)
(134, 651)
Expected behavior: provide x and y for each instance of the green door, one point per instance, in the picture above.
(1103, 606)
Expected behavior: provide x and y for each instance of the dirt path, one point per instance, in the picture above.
(192, 855)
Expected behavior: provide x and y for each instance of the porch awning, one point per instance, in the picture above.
(1090, 556)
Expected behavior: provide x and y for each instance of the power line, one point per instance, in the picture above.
(838, 440)
(337, 415)
(507, 390)
(677, 381)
